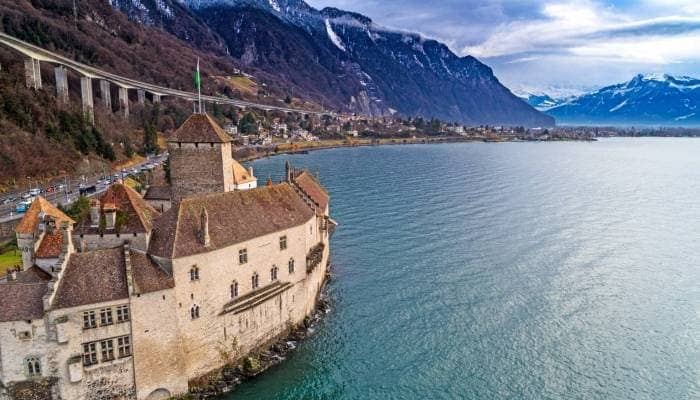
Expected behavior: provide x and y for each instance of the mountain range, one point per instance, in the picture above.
(662, 100)
(341, 59)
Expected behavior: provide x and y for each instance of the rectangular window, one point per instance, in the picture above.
(122, 313)
(106, 317)
(283, 242)
(89, 320)
(107, 347)
(243, 256)
(124, 346)
(89, 354)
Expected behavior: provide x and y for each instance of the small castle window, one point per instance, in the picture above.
(25, 335)
(283, 242)
(234, 290)
(89, 354)
(122, 313)
(243, 256)
(273, 273)
(89, 320)
(33, 366)
(255, 281)
(194, 312)
(106, 317)
(107, 347)
(291, 265)
(194, 273)
(124, 346)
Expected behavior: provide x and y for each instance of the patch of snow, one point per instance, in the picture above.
(333, 37)
(275, 6)
(684, 117)
(418, 61)
(619, 106)
(164, 8)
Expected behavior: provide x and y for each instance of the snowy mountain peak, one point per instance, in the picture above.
(648, 99)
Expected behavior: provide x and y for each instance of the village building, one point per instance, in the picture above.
(136, 301)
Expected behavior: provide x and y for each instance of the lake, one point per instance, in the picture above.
(505, 271)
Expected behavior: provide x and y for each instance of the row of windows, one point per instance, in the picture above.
(194, 271)
(106, 348)
(106, 316)
(243, 253)
(255, 283)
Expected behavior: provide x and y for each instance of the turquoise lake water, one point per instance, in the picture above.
(505, 271)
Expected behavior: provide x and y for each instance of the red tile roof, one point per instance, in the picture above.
(199, 128)
(51, 245)
(309, 185)
(30, 220)
(234, 217)
(93, 277)
(22, 301)
(240, 174)
(139, 215)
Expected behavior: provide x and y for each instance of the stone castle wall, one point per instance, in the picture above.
(196, 169)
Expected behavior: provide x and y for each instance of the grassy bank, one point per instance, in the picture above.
(9, 257)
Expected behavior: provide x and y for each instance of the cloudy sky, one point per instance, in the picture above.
(553, 46)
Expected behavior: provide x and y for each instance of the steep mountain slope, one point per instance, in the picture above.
(349, 63)
(542, 102)
(644, 100)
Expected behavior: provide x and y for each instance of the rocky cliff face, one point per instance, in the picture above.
(342, 59)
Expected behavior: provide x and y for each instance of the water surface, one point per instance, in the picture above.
(505, 271)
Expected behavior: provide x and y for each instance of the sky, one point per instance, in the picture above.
(559, 47)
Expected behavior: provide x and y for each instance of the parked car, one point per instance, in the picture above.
(34, 192)
(22, 206)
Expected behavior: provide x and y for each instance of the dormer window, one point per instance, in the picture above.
(283, 242)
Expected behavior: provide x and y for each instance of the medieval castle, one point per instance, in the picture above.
(146, 294)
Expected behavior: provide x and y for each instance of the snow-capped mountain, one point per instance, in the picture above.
(644, 100)
(347, 62)
(542, 102)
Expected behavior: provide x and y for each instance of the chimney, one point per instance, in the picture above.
(288, 171)
(250, 171)
(204, 228)
(12, 274)
(95, 212)
(110, 211)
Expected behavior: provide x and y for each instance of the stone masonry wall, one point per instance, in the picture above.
(196, 170)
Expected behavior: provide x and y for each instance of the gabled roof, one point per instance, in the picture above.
(93, 277)
(30, 220)
(199, 128)
(138, 214)
(51, 245)
(240, 174)
(233, 217)
(309, 185)
(33, 275)
(22, 301)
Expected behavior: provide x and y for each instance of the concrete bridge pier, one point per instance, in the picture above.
(106, 95)
(61, 74)
(32, 71)
(156, 98)
(86, 95)
(141, 96)
(124, 101)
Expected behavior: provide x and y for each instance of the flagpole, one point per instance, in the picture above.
(199, 87)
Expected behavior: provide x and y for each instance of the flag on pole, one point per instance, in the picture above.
(198, 85)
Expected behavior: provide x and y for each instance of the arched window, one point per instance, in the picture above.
(194, 273)
(255, 281)
(194, 311)
(291, 265)
(273, 273)
(33, 366)
(234, 290)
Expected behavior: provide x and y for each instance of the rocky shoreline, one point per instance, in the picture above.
(226, 379)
